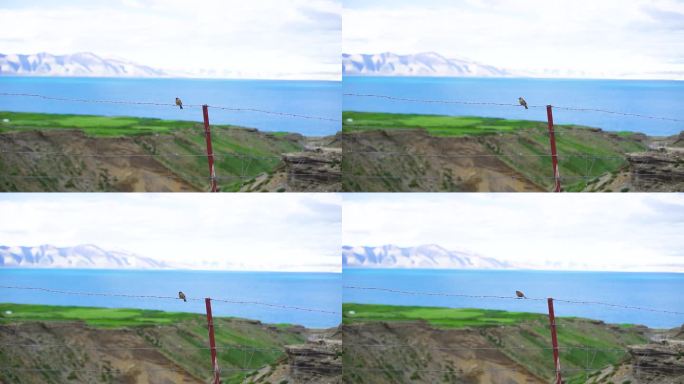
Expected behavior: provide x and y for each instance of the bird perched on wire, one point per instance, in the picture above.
(520, 295)
(181, 295)
(520, 100)
(179, 103)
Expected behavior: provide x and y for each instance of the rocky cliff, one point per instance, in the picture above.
(658, 362)
(315, 168)
(657, 171)
(318, 361)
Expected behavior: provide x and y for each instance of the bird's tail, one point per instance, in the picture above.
(525, 106)
(185, 300)
(181, 107)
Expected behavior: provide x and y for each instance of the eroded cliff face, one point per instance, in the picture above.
(657, 171)
(318, 361)
(661, 361)
(316, 168)
(655, 363)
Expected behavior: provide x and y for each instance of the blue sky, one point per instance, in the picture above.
(232, 38)
(293, 232)
(630, 232)
(643, 38)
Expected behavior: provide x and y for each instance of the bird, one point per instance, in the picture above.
(520, 100)
(179, 103)
(520, 295)
(181, 295)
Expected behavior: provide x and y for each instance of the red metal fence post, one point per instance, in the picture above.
(554, 342)
(554, 155)
(212, 342)
(210, 152)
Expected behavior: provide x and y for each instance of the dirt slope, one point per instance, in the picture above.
(415, 351)
(92, 356)
(25, 155)
(413, 160)
(69, 352)
(70, 160)
(431, 356)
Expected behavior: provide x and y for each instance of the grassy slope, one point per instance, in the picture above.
(436, 125)
(576, 144)
(187, 329)
(440, 317)
(104, 126)
(190, 140)
(531, 331)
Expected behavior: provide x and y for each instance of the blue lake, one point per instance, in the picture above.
(651, 290)
(654, 98)
(315, 98)
(308, 290)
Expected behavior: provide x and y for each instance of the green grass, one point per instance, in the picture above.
(91, 124)
(438, 316)
(435, 125)
(95, 316)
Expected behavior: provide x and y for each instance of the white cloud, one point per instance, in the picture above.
(266, 38)
(241, 231)
(603, 37)
(602, 231)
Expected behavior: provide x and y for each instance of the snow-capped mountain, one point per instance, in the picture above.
(84, 64)
(434, 64)
(80, 256)
(424, 256)
(421, 64)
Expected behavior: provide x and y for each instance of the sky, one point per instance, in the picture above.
(619, 232)
(616, 38)
(273, 232)
(298, 39)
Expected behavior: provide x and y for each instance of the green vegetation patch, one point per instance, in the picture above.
(438, 316)
(99, 317)
(436, 125)
(90, 124)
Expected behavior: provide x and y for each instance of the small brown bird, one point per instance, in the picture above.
(181, 295)
(520, 295)
(179, 103)
(520, 100)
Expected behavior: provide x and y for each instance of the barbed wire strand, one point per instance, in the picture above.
(172, 105)
(249, 156)
(461, 102)
(130, 296)
(444, 294)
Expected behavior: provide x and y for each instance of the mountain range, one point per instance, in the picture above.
(433, 64)
(424, 256)
(88, 64)
(84, 64)
(80, 256)
(421, 64)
